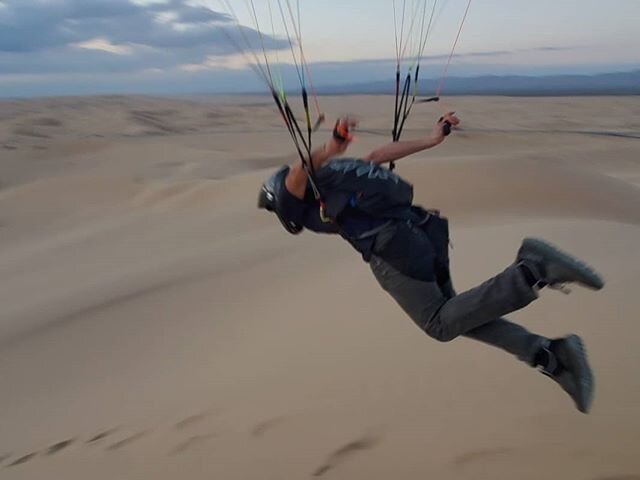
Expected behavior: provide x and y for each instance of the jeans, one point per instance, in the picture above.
(432, 303)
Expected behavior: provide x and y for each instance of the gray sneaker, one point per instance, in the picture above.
(553, 267)
(570, 369)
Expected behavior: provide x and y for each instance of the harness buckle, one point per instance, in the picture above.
(323, 214)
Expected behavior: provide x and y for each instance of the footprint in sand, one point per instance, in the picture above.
(126, 441)
(59, 446)
(260, 428)
(23, 459)
(101, 436)
(191, 421)
(345, 452)
(190, 443)
(52, 450)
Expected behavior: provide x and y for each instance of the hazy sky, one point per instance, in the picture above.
(156, 46)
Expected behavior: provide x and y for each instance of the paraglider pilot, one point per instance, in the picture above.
(407, 249)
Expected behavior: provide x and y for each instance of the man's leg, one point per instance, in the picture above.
(562, 359)
(447, 318)
(444, 316)
(503, 334)
(510, 337)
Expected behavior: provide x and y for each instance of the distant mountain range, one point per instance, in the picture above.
(622, 83)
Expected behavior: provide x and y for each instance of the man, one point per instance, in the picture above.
(407, 250)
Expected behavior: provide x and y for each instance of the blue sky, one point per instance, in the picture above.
(50, 47)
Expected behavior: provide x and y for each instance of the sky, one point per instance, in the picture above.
(63, 47)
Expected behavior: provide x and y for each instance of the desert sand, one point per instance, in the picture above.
(156, 325)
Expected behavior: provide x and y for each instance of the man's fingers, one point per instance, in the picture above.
(447, 121)
(451, 118)
(348, 122)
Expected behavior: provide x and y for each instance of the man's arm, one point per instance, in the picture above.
(296, 181)
(396, 150)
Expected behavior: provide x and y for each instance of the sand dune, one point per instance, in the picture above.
(155, 325)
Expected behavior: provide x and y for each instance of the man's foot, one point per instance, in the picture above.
(550, 266)
(566, 362)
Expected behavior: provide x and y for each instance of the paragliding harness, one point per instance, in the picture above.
(436, 227)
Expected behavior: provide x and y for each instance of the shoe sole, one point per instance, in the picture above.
(582, 272)
(579, 365)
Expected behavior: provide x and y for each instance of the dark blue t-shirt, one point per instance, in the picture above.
(361, 196)
(402, 245)
(407, 250)
(351, 222)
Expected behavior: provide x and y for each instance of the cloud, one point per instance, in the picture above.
(48, 36)
(217, 62)
(103, 45)
(163, 45)
(33, 25)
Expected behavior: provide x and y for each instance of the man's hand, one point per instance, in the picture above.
(443, 126)
(341, 137)
(397, 150)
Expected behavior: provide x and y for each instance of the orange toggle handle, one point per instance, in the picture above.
(341, 132)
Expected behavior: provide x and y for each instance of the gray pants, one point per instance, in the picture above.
(476, 313)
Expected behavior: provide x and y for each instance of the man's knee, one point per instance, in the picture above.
(439, 331)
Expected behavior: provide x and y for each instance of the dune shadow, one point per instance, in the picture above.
(111, 302)
(29, 131)
(46, 122)
(156, 120)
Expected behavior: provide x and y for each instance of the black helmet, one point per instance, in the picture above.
(268, 200)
